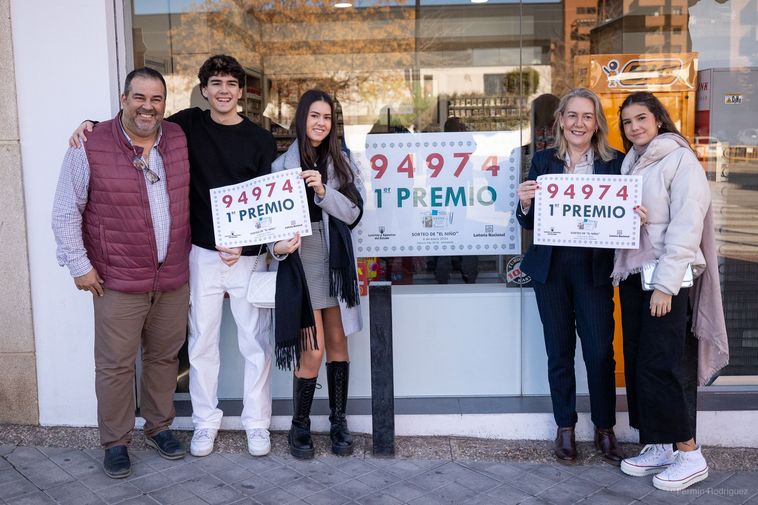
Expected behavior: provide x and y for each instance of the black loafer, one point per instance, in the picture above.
(116, 462)
(167, 445)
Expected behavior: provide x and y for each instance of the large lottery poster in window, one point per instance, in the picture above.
(587, 211)
(436, 194)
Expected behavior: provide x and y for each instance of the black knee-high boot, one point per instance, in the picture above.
(337, 375)
(299, 438)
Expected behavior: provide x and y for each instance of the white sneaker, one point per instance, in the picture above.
(258, 441)
(202, 441)
(688, 468)
(653, 458)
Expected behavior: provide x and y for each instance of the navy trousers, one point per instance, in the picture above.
(569, 303)
(659, 386)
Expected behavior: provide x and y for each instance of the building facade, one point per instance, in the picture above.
(469, 355)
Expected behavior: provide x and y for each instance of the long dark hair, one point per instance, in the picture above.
(656, 108)
(311, 157)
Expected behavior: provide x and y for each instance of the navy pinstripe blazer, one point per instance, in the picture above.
(536, 262)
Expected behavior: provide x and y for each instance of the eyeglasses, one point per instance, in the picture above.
(140, 164)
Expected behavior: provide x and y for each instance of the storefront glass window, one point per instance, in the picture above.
(409, 66)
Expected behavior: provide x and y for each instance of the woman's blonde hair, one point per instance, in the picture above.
(599, 137)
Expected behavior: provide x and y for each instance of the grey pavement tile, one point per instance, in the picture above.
(253, 485)
(378, 499)
(99, 480)
(404, 491)
(532, 484)
(658, 497)
(245, 501)
(327, 497)
(46, 474)
(6, 449)
(9, 475)
(712, 499)
(258, 465)
(141, 469)
(378, 479)
(23, 456)
(146, 500)
(484, 499)
(200, 485)
(604, 497)
(214, 463)
(429, 499)
(508, 494)
(150, 483)
(454, 493)
(74, 493)
(744, 483)
(118, 493)
(4, 465)
(76, 463)
(405, 468)
(431, 479)
(352, 488)
(601, 475)
(275, 496)
(560, 495)
(221, 496)
(631, 487)
(305, 486)
(352, 466)
(281, 476)
(478, 482)
(183, 472)
(172, 494)
(534, 500)
(38, 498)
(16, 488)
(322, 473)
(552, 473)
(578, 487)
(234, 474)
(502, 472)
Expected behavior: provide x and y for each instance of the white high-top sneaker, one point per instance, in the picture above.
(688, 468)
(653, 458)
(202, 441)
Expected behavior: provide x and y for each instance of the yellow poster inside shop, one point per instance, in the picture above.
(672, 77)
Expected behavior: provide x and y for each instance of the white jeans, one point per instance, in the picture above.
(210, 278)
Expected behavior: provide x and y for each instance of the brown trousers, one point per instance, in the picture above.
(157, 322)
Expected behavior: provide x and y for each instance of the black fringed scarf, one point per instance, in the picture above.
(343, 279)
(294, 326)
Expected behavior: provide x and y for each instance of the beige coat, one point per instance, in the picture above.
(676, 195)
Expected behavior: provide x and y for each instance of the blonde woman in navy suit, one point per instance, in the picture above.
(573, 284)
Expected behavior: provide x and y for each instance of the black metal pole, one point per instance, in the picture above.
(382, 382)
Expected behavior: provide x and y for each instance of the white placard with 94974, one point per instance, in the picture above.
(265, 209)
(588, 211)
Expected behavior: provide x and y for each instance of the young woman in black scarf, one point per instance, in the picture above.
(318, 273)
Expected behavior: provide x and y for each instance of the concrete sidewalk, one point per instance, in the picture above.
(63, 465)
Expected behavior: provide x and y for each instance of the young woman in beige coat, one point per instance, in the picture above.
(675, 200)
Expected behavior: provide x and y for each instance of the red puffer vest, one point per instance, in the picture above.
(117, 225)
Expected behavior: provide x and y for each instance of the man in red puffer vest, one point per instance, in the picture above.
(121, 223)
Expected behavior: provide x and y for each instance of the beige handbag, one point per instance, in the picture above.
(261, 290)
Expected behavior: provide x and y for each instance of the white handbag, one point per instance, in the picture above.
(648, 271)
(261, 290)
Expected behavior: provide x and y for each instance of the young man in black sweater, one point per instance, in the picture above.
(224, 148)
